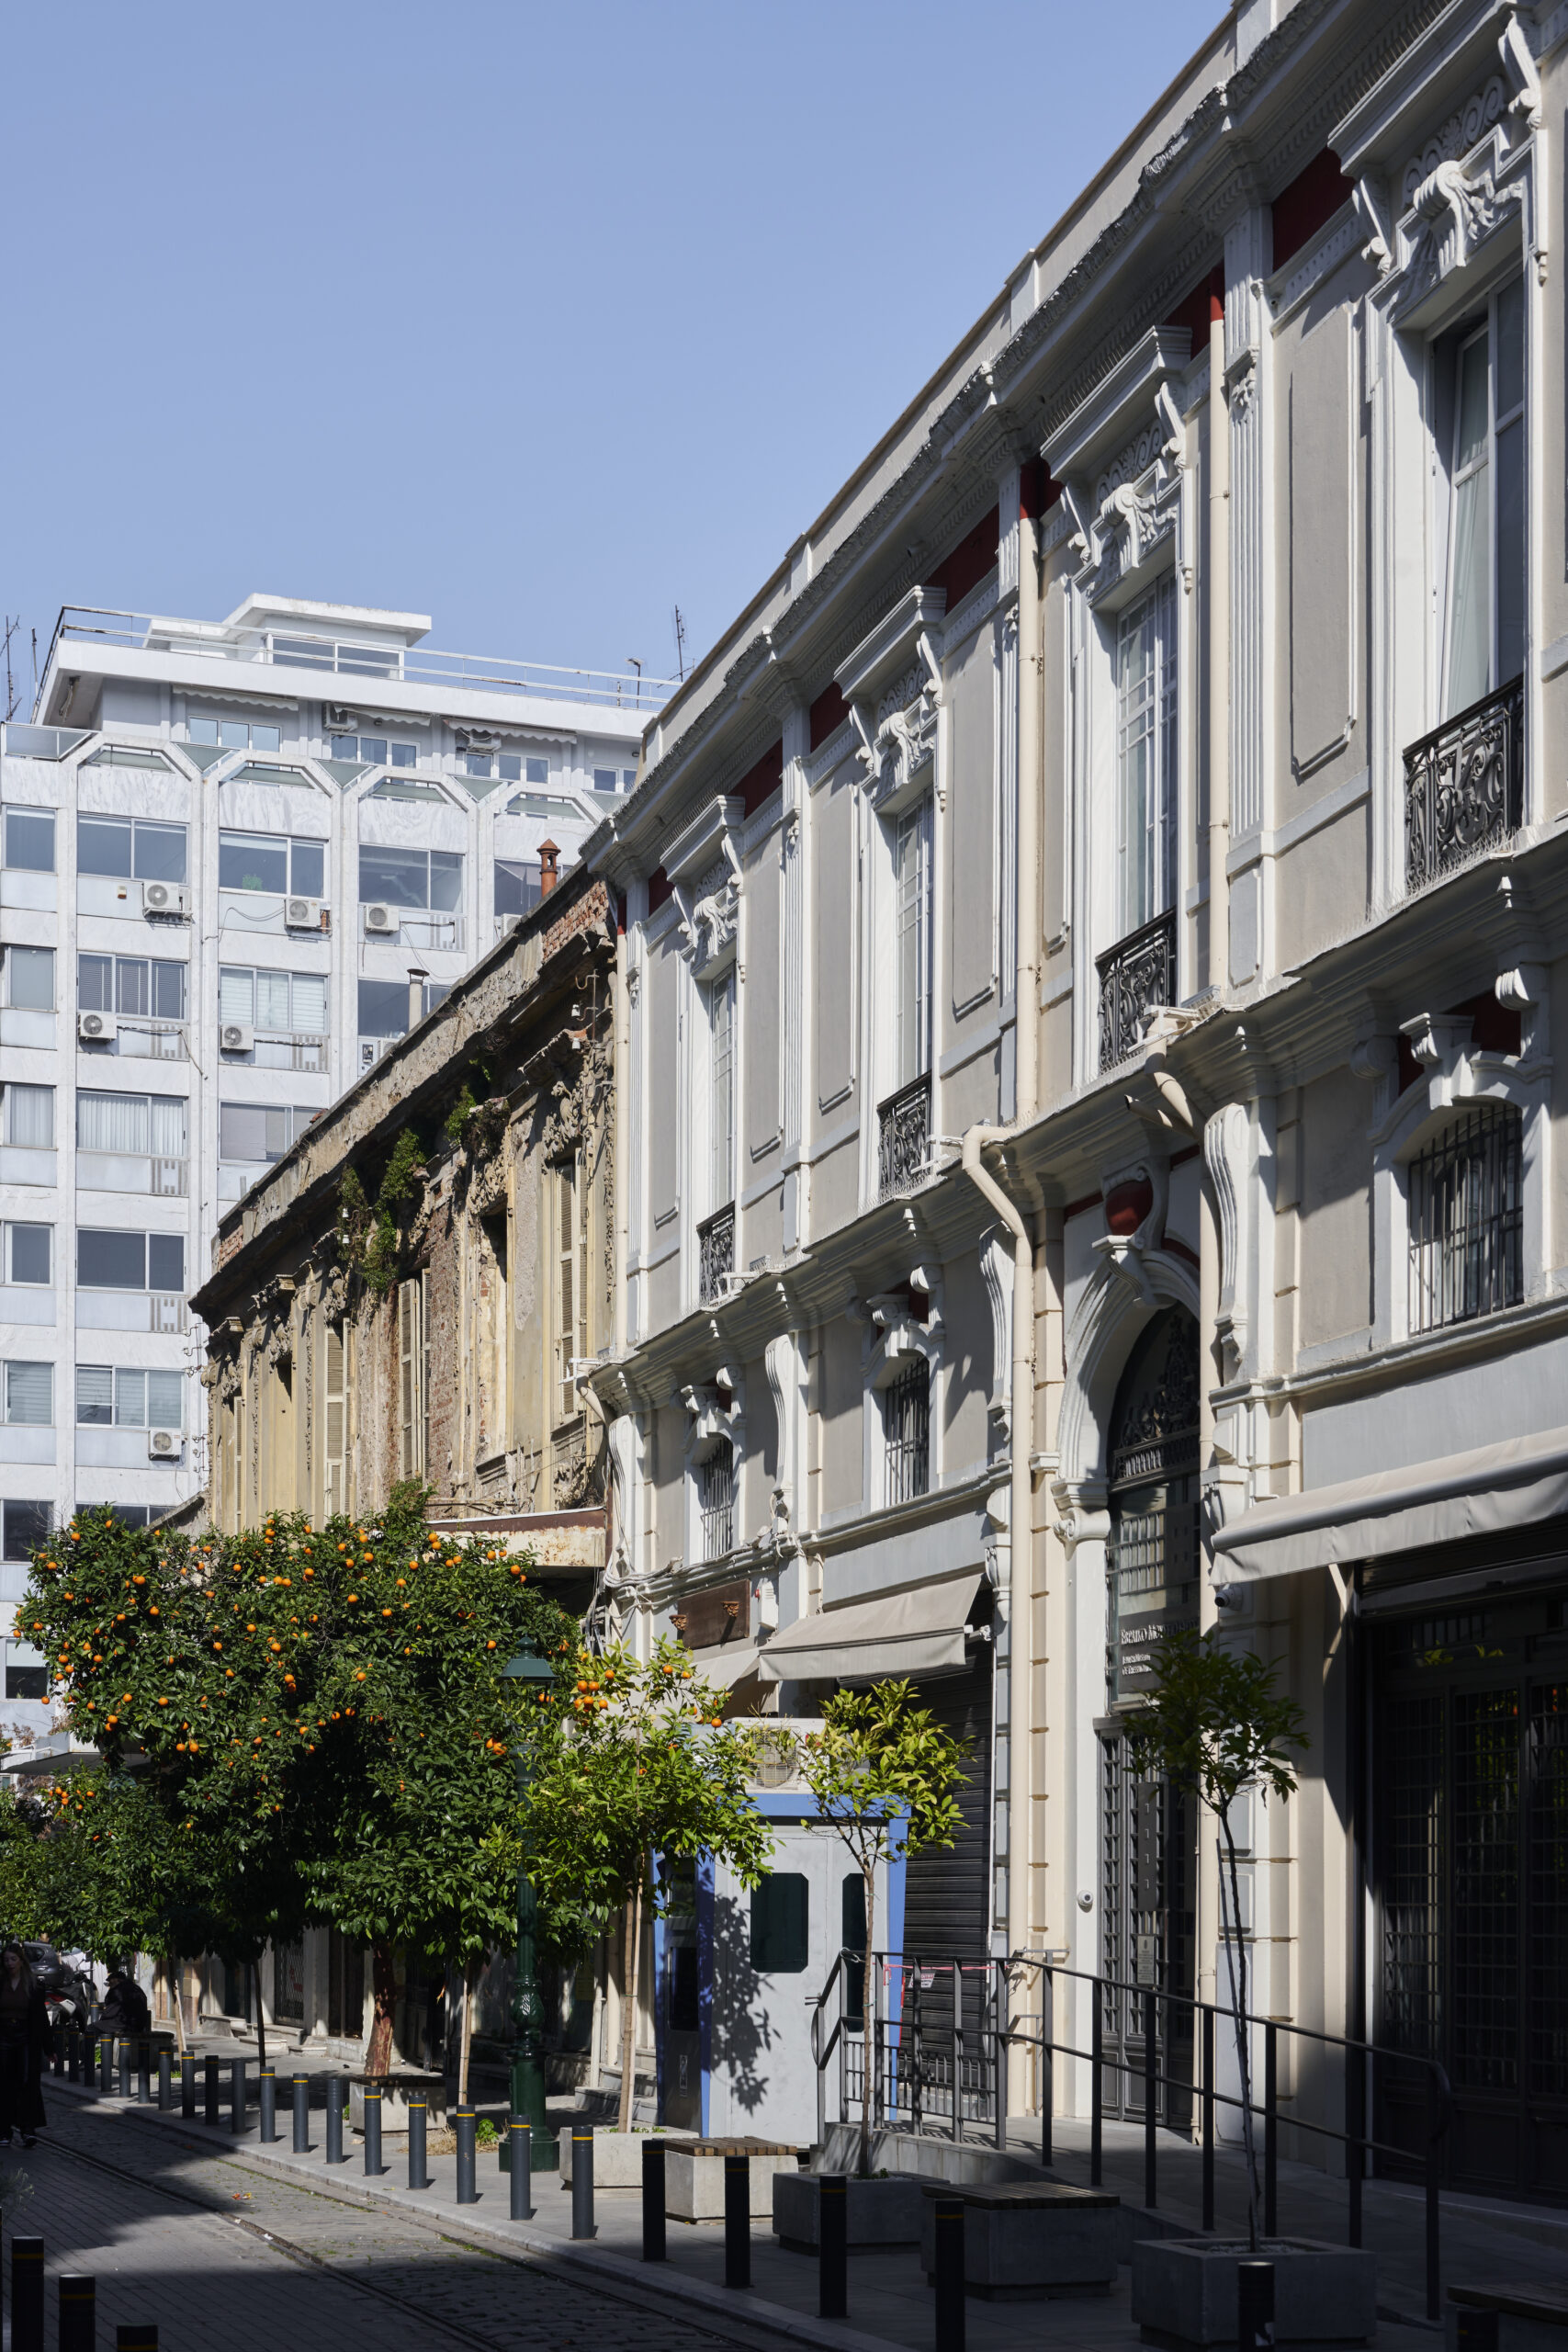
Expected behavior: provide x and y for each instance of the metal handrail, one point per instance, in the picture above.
(1359, 2142)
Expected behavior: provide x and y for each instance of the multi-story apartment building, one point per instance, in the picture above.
(237, 859)
(1090, 1139)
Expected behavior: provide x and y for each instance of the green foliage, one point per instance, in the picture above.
(485, 2133)
(468, 1102)
(368, 1231)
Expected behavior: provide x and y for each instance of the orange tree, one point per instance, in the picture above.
(318, 1721)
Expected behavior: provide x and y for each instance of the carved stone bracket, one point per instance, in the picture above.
(1227, 1149)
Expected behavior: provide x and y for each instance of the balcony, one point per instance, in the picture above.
(1135, 975)
(904, 1137)
(715, 1255)
(1464, 786)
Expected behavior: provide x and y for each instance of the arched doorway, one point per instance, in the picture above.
(1148, 1831)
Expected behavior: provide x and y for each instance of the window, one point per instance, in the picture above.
(108, 1259)
(721, 1092)
(131, 847)
(716, 1500)
(1484, 373)
(570, 1245)
(912, 855)
(413, 1430)
(1145, 758)
(516, 885)
(604, 780)
(29, 840)
(30, 1395)
(781, 1925)
(907, 1425)
(271, 862)
(237, 734)
(412, 878)
(553, 805)
(143, 1123)
(131, 984)
(29, 979)
(23, 1527)
(852, 1943)
(28, 1253)
(294, 1003)
(113, 1397)
(384, 1005)
(256, 1131)
(335, 1450)
(123, 1514)
(124, 755)
(509, 767)
(1467, 1219)
(25, 1681)
(30, 1117)
(375, 751)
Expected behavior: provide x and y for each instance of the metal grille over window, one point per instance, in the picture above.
(1135, 975)
(903, 1139)
(907, 1422)
(1464, 786)
(715, 1255)
(716, 1500)
(1466, 1220)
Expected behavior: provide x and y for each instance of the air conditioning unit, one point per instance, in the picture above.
(165, 1446)
(97, 1028)
(302, 914)
(384, 922)
(236, 1037)
(164, 899)
(341, 720)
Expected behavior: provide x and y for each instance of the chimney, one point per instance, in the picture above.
(548, 876)
(417, 979)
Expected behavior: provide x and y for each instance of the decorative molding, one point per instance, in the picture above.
(1457, 210)
(1464, 128)
(995, 1253)
(1227, 1153)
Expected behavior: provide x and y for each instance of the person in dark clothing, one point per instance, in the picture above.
(125, 2010)
(26, 2038)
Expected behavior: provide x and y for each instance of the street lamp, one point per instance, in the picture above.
(527, 2071)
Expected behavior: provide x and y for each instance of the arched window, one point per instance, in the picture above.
(1466, 1218)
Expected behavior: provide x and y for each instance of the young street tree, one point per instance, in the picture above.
(1215, 1723)
(633, 1763)
(884, 1774)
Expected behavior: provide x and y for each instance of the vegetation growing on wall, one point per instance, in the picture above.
(368, 1231)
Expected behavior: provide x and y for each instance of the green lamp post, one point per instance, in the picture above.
(528, 2069)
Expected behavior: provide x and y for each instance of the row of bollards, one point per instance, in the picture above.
(78, 2308)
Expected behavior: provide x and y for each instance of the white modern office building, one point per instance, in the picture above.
(235, 856)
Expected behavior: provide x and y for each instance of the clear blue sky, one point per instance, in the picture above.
(535, 320)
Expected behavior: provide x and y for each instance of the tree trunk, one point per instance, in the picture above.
(384, 1986)
(470, 1972)
(868, 2018)
(1235, 1952)
(261, 2021)
(628, 2006)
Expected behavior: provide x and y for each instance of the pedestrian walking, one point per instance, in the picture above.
(26, 2038)
(125, 2011)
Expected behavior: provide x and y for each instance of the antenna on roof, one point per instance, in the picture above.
(11, 629)
(680, 646)
(636, 665)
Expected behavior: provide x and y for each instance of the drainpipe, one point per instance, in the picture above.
(1219, 654)
(1021, 1399)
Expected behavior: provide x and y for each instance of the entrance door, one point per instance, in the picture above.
(1470, 1776)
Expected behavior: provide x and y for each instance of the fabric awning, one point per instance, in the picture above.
(725, 1666)
(1487, 1491)
(915, 1632)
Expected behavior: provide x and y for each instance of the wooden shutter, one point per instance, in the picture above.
(411, 1380)
(335, 1448)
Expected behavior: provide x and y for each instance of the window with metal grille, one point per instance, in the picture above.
(1466, 1219)
(912, 855)
(716, 1500)
(907, 1423)
(1146, 746)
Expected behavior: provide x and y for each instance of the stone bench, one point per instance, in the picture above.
(617, 2155)
(693, 2176)
(1024, 2240)
(877, 2212)
(1184, 2291)
(396, 2092)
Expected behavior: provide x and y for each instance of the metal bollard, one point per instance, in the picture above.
(211, 2114)
(165, 2080)
(418, 2176)
(237, 2095)
(26, 2295)
(467, 2188)
(106, 2062)
(582, 2180)
(301, 2115)
(73, 2054)
(124, 2067)
(57, 2054)
(948, 2275)
(1255, 2306)
(832, 2246)
(738, 2221)
(78, 2312)
(519, 2164)
(337, 2093)
(137, 2337)
(266, 2093)
(144, 2073)
(653, 2246)
(188, 2085)
(372, 2133)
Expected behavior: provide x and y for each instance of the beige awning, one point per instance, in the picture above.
(915, 1632)
(725, 1666)
(1489, 1490)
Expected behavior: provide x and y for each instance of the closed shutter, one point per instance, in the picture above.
(410, 1382)
(947, 1905)
(332, 1494)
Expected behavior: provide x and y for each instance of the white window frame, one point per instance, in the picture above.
(24, 1365)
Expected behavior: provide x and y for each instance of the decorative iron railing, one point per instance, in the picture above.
(903, 1136)
(715, 1254)
(1135, 975)
(1464, 786)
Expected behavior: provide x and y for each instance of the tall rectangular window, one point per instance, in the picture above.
(412, 1405)
(1485, 373)
(1147, 757)
(1467, 1219)
(23, 1527)
(912, 858)
(29, 841)
(335, 1450)
(30, 1395)
(716, 1500)
(28, 1252)
(29, 979)
(570, 1247)
(907, 1426)
(30, 1117)
(721, 1095)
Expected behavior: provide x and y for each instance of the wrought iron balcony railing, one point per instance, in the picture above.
(1135, 975)
(1464, 786)
(904, 1136)
(715, 1254)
